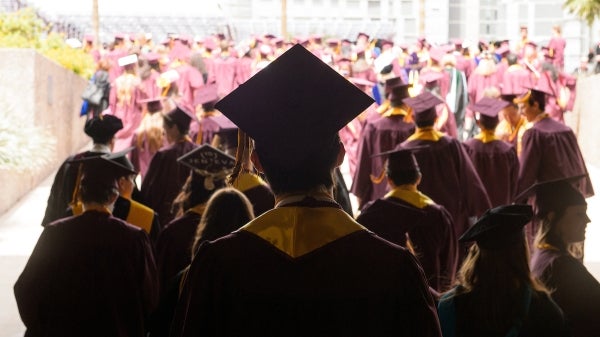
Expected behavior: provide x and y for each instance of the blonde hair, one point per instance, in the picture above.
(126, 85)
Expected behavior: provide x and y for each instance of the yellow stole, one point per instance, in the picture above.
(415, 198)
(140, 216)
(426, 133)
(297, 231)
(246, 181)
(486, 136)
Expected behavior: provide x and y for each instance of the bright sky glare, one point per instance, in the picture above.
(129, 7)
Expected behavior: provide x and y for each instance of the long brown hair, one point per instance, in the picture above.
(494, 280)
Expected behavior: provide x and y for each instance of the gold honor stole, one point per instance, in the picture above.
(140, 216)
(297, 231)
(486, 136)
(417, 199)
(426, 133)
(246, 181)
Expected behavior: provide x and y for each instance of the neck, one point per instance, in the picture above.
(319, 192)
(406, 187)
(94, 206)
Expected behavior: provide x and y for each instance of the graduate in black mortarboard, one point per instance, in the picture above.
(496, 161)
(305, 267)
(549, 150)
(101, 129)
(91, 274)
(409, 218)
(562, 213)
(449, 176)
(165, 177)
(496, 294)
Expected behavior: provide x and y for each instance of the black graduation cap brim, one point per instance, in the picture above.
(206, 159)
(101, 169)
(293, 105)
(531, 91)
(121, 158)
(533, 189)
(489, 107)
(103, 126)
(401, 148)
(499, 227)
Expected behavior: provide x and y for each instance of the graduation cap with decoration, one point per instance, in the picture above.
(423, 106)
(209, 162)
(554, 195)
(298, 103)
(499, 227)
(102, 127)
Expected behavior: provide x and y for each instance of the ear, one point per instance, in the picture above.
(340, 156)
(256, 162)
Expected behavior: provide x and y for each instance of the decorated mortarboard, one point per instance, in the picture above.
(499, 227)
(423, 106)
(102, 126)
(182, 114)
(208, 162)
(298, 103)
(206, 94)
(553, 195)
(153, 104)
(121, 158)
(127, 60)
(489, 107)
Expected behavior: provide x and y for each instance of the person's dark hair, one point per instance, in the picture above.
(512, 58)
(315, 170)
(102, 139)
(226, 211)
(194, 193)
(488, 123)
(93, 191)
(402, 177)
(540, 99)
(208, 106)
(183, 129)
(424, 124)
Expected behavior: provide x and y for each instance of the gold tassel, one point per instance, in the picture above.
(241, 156)
(379, 179)
(75, 196)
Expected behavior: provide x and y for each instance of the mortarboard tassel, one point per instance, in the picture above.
(379, 179)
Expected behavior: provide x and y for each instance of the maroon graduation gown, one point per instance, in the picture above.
(353, 284)
(516, 80)
(380, 136)
(450, 179)
(88, 275)
(550, 151)
(497, 165)
(574, 289)
(165, 178)
(431, 233)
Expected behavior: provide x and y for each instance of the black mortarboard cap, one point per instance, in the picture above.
(538, 94)
(228, 132)
(103, 126)
(153, 104)
(423, 106)
(209, 162)
(489, 107)
(207, 93)
(390, 83)
(293, 105)
(399, 92)
(499, 227)
(554, 195)
(182, 115)
(101, 172)
(401, 158)
(121, 158)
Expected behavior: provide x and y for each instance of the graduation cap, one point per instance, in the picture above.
(152, 57)
(398, 92)
(553, 195)
(227, 131)
(209, 162)
(166, 78)
(206, 94)
(121, 158)
(362, 34)
(538, 95)
(402, 157)
(102, 126)
(127, 60)
(153, 104)
(298, 103)
(182, 115)
(423, 106)
(437, 53)
(430, 77)
(390, 83)
(499, 227)
(503, 50)
(489, 107)
(358, 81)
(100, 172)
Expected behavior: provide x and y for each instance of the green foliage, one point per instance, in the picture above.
(23, 29)
(23, 147)
(587, 10)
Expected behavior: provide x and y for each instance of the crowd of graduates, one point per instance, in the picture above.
(212, 202)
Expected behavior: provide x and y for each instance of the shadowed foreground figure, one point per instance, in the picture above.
(305, 267)
(90, 274)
